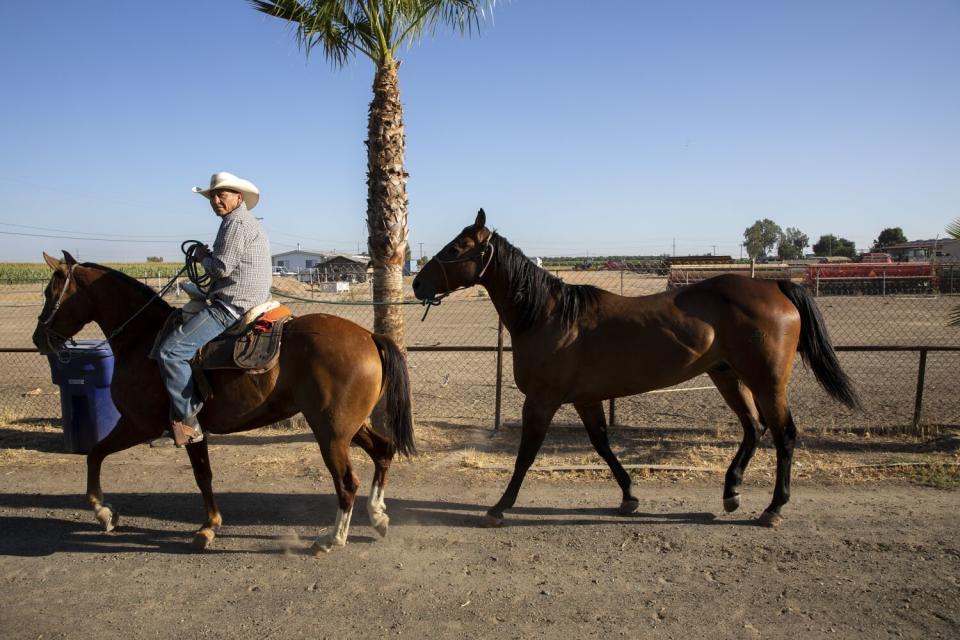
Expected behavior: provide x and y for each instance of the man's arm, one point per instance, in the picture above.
(227, 249)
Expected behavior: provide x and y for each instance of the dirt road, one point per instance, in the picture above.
(855, 558)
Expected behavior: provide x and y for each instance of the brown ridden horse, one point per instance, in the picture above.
(580, 344)
(330, 369)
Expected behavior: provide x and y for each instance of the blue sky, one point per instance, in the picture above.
(620, 127)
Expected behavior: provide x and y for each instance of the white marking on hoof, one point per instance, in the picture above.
(732, 503)
(489, 521)
(628, 506)
(338, 538)
(203, 538)
(770, 520)
(106, 517)
(377, 510)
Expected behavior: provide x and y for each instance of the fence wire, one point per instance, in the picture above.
(456, 385)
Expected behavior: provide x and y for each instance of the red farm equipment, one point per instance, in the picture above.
(870, 278)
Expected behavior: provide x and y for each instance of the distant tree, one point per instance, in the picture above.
(154, 258)
(792, 243)
(761, 237)
(888, 237)
(831, 245)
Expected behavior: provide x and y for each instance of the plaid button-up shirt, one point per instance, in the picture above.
(240, 261)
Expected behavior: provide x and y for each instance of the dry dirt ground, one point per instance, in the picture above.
(865, 551)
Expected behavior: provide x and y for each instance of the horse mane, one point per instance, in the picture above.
(143, 288)
(532, 288)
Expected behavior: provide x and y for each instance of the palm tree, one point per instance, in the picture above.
(953, 230)
(377, 29)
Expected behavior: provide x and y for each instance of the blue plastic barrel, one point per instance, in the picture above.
(83, 372)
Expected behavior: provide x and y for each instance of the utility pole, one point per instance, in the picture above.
(714, 250)
(421, 250)
(674, 247)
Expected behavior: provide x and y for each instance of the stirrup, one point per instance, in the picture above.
(185, 434)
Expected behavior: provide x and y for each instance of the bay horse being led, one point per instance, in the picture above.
(582, 345)
(330, 369)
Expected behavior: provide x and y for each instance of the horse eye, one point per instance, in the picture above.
(451, 251)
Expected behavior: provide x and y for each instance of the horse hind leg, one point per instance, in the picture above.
(381, 453)
(596, 423)
(200, 461)
(123, 436)
(777, 416)
(740, 400)
(336, 455)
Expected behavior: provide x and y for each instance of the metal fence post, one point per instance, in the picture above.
(918, 404)
(498, 404)
(613, 412)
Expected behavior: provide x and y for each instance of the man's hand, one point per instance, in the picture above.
(201, 252)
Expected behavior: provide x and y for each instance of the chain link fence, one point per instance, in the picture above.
(887, 344)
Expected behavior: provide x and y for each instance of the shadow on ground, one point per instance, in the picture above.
(45, 524)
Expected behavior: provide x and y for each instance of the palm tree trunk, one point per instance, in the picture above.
(387, 200)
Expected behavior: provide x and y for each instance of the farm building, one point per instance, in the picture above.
(940, 249)
(341, 268)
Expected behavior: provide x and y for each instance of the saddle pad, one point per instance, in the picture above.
(256, 351)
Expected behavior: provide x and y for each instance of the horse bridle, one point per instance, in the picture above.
(46, 324)
(50, 333)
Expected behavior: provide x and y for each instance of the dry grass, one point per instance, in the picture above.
(288, 451)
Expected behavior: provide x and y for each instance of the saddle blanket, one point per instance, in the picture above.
(253, 349)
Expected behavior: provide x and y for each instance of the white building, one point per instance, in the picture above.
(299, 260)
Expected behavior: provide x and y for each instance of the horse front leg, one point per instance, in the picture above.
(536, 421)
(123, 436)
(200, 461)
(596, 423)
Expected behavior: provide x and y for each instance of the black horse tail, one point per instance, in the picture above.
(396, 403)
(816, 349)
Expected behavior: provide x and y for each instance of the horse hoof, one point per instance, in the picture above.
(203, 539)
(732, 503)
(628, 506)
(381, 524)
(320, 548)
(107, 518)
(490, 521)
(770, 520)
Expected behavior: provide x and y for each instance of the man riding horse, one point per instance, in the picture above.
(239, 265)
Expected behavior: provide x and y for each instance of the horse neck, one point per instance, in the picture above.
(502, 283)
(115, 302)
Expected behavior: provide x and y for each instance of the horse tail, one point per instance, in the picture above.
(396, 403)
(816, 349)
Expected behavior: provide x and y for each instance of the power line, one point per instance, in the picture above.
(113, 235)
(62, 237)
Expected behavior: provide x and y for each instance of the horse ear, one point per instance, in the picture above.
(68, 258)
(52, 262)
(481, 221)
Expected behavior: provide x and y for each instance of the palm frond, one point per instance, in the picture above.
(954, 229)
(341, 27)
(418, 17)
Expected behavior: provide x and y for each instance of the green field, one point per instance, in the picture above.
(14, 272)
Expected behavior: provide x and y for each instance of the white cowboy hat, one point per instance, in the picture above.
(224, 180)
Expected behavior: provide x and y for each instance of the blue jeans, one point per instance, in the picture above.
(177, 350)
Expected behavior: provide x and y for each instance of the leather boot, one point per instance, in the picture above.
(186, 431)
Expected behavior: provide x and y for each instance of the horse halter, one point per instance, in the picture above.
(478, 257)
